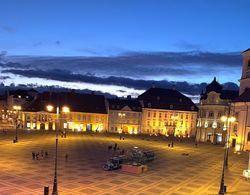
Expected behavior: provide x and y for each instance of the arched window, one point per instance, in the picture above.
(248, 137)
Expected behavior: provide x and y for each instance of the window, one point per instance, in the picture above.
(211, 114)
(154, 114)
(159, 115)
(148, 114)
(187, 116)
(149, 105)
(248, 137)
(171, 106)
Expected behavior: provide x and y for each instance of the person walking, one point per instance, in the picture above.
(66, 157)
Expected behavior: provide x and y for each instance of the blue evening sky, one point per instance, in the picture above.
(131, 28)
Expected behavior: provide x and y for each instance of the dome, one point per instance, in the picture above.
(214, 86)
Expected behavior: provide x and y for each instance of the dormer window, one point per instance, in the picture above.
(158, 98)
(149, 105)
(192, 107)
(171, 106)
(180, 100)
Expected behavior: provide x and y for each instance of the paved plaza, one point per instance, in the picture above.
(170, 173)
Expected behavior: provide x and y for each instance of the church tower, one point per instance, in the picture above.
(245, 77)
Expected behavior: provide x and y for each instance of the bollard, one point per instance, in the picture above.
(46, 190)
(225, 189)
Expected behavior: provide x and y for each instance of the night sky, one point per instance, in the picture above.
(123, 46)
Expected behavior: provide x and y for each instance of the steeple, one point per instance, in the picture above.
(245, 76)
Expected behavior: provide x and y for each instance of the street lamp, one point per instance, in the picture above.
(65, 109)
(224, 119)
(121, 115)
(17, 109)
(227, 120)
(174, 118)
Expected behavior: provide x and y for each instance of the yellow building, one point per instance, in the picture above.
(167, 112)
(124, 115)
(86, 112)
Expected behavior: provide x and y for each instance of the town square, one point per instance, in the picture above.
(170, 173)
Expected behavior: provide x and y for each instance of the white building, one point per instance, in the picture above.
(240, 135)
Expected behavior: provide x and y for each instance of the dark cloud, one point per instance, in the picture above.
(8, 29)
(12, 65)
(187, 46)
(58, 42)
(64, 75)
(142, 64)
(4, 77)
(37, 44)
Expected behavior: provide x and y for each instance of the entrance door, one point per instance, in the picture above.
(233, 143)
(42, 126)
(89, 127)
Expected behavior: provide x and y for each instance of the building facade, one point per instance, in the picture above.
(240, 134)
(85, 112)
(124, 115)
(214, 103)
(167, 112)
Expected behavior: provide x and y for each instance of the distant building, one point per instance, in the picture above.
(124, 115)
(20, 97)
(167, 112)
(214, 103)
(87, 112)
(240, 134)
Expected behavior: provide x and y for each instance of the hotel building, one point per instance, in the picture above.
(167, 112)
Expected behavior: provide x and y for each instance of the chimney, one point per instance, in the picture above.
(92, 92)
(129, 97)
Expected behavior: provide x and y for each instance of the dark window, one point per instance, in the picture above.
(248, 137)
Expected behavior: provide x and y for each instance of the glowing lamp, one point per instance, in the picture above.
(50, 108)
(65, 109)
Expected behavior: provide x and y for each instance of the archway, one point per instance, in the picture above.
(124, 129)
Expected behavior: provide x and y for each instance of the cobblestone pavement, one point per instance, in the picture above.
(170, 173)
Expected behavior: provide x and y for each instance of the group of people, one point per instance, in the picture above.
(115, 148)
(38, 155)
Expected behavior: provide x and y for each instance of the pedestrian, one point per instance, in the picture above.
(120, 136)
(66, 157)
(37, 156)
(33, 155)
(196, 144)
(115, 145)
(42, 153)
(46, 154)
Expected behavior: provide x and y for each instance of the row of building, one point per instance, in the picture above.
(156, 111)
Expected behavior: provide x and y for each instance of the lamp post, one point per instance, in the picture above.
(227, 120)
(121, 115)
(17, 109)
(65, 109)
(174, 118)
(224, 119)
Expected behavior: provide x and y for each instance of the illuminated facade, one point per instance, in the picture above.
(87, 112)
(167, 112)
(214, 104)
(240, 134)
(124, 115)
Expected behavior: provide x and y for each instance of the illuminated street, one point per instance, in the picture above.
(170, 173)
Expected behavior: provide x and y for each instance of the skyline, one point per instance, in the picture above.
(126, 46)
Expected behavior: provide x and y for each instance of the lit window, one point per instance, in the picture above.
(28, 125)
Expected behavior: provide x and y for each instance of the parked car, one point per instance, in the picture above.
(114, 163)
